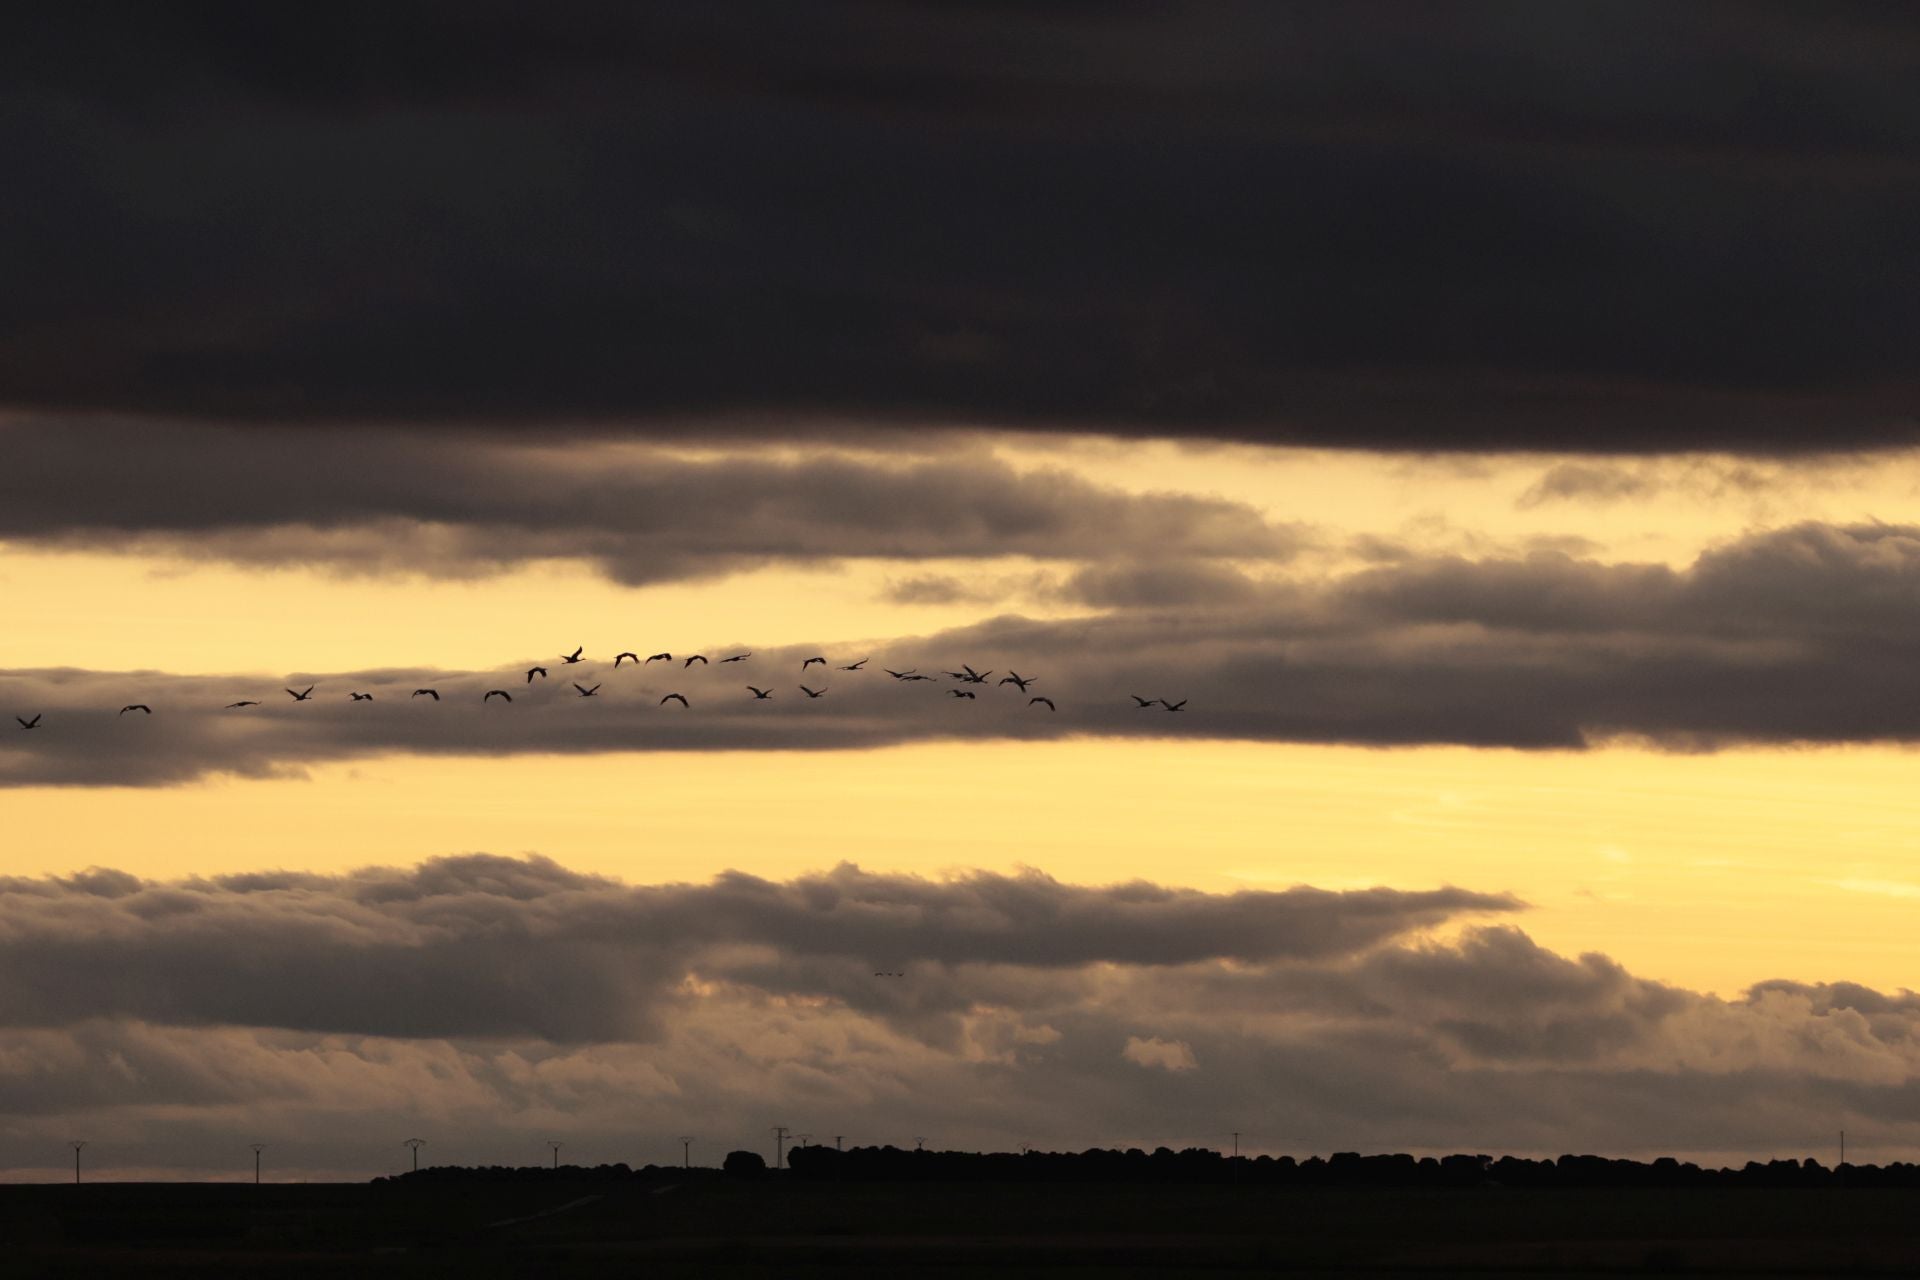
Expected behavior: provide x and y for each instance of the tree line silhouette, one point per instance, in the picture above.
(1199, 1165)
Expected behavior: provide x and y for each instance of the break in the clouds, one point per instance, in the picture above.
(1800, 634)
(388, 502)
(1501, 224)
(490, 1004)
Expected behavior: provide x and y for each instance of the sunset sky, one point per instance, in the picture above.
(1495, 421)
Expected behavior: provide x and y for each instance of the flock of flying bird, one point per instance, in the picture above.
(966, 675)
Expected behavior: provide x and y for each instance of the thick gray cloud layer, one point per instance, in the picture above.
(526, 1002)
(1572, 226)
(1798, 634)
(479, 946)
(380, 501)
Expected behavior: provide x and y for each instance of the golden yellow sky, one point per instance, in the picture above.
(1712, 871)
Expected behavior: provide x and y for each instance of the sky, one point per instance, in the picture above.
(1492, 425)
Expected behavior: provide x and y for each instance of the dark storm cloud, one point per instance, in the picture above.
(1801, 634)
(365, 500)
(528, 1002)
(1609, 227)
(480, 946)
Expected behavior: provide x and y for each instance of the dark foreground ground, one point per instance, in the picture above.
(710, 1226)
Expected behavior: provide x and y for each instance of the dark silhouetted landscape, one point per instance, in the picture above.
(882, 1210)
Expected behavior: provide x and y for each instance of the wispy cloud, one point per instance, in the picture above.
(1792, 635)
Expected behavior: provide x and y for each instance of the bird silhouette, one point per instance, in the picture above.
(429, 693)
(136, 706)
(976, 677)
(619, 658)
(574, 656)
(810, 661)
(659, 657)
(234, 705)
(1144, 702)
(536, 671)
(301, 697)
(738, 657)
(898, 675)
(496, 693)
(676, 697)
(812, 693)
(362, 697)
(912, 678)
(1015, 678)
(963, 693)
(1048, 701)
(1173, 706)
(588, 693)
(761, 695)
(30, 724)
(856, 666)
(700, 658)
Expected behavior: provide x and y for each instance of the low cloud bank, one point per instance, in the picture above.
(489, 1004)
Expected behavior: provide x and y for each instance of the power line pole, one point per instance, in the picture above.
(258, 1147)
(556, 1151)
(686, 1153)
(779, 1145)
(838, 1138)
(1236, 1144)
(415, 1144)
(919, 1143)
(76, 1144)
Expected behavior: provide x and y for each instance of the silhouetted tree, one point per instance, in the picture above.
(744, 1164)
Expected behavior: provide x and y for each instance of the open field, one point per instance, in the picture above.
(704, 1225)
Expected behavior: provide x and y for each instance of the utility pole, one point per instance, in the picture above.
(686, 1153)
(1843, 1150)
(837, 1139)
(1236, 1144)
(415, 1144)
(258, 1147)
(801, 1138)
(779, 1145)
(556, 1152)
(919, 1143)
(76, 1144)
